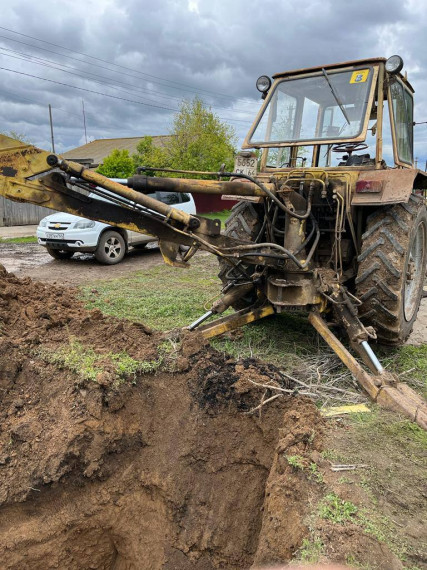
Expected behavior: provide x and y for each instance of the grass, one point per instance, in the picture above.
(295, 461)
(27, 239)
(411, 361)
(281, 340)
(395, 453)
(311, 550)
(336, 510)
(222, 216)
(89, 365)
(163, 298)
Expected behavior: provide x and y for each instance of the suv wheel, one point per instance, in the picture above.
(60, 253)
(111, 248)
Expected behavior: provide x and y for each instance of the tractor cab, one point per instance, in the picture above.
(336, 116)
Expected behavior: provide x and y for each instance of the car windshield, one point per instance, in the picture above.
(327, 106)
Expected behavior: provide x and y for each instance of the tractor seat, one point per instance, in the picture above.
(356, 160)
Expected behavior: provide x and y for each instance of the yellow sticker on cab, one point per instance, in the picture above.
(359, 76)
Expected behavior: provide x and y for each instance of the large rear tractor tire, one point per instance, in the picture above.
(244, 223)
(392, 267)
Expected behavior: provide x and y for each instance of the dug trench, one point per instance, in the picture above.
(124, 449)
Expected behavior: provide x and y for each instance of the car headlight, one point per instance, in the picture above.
(84, 225)
(43, 223)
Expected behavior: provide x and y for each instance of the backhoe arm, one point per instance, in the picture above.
(28, 174)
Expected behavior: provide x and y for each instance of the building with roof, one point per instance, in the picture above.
(93, 153)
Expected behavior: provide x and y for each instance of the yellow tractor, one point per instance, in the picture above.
(323, 225)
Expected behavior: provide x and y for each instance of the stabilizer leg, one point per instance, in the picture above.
(382, 388)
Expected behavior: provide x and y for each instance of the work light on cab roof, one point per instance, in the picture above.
(263, 84)
(394, 64)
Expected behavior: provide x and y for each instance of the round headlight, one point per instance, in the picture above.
(263, 83)
(394, 64)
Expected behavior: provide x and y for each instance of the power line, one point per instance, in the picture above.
(107, 95)
(106, 80)
(102, 83)
(37, 103)
(107, 62)
(31, 58)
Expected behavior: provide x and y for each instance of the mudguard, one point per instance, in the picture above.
(392, 186)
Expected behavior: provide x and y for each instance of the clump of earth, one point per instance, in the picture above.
(167, 467)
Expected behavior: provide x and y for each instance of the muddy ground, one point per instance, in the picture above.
(165, 466)
(31, 260)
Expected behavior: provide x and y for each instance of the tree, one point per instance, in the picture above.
(149, 155)
(21, 137)
(117, 165)
(200, 140)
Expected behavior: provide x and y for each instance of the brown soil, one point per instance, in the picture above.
(165, 471)
(168, 472)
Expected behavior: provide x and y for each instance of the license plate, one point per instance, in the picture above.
(54, 235)
(246, 165)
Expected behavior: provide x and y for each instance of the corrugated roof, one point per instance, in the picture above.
(97, 150)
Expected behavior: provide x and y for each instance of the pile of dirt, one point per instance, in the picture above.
(166, 471)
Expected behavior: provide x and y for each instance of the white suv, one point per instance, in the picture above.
(64, 234)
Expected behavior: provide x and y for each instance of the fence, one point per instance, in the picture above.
(18, 214)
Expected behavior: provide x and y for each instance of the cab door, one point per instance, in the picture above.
(401, 108)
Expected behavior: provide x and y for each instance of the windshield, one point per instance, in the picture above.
(328, 106)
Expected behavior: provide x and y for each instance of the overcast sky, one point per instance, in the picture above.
(154, 54)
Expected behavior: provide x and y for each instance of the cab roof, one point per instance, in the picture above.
(330, 66)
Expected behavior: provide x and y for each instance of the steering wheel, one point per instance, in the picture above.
(349, 147)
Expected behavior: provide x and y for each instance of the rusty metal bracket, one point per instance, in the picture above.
(236, 320)
(384, 388)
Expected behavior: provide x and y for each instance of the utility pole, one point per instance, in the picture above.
(84, 119)
(51, 129)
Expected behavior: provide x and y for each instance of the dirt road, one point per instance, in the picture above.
(32, 260)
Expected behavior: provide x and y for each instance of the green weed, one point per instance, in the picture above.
(315, 474)
(295, 461)
(337, 510)
(311, 550)
(352, 561)
(411, 361)
(222, 216)
(163, 298)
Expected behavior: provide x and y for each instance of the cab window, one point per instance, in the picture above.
(402, 109)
